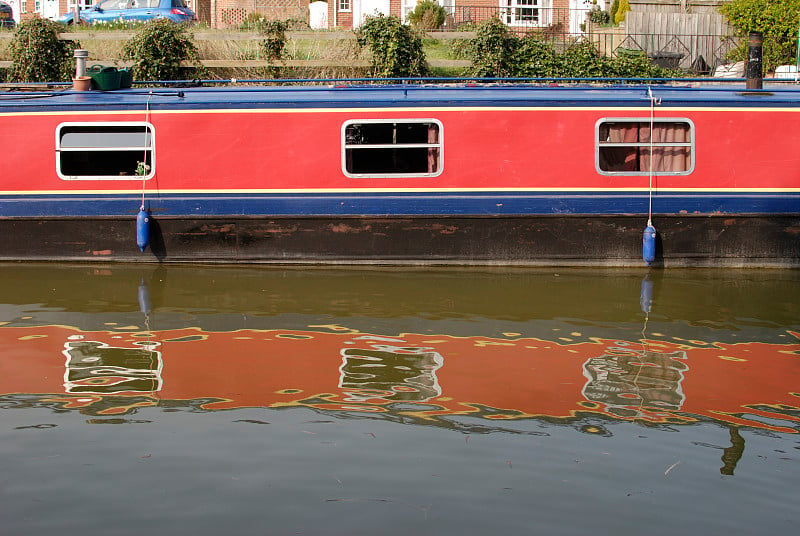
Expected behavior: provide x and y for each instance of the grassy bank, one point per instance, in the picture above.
(238, 54)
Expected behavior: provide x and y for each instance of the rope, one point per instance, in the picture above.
(650, 170)
(146, 132)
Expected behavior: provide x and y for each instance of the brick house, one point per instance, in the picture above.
(520, 14)
(557, 15)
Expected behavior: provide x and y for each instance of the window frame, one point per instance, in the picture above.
(526, 13)
(99, 124)
(84, 4)
(646, 120)
(439, 145)
(344, 6)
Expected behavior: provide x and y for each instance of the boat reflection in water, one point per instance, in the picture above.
(428, 377)
(422, 378)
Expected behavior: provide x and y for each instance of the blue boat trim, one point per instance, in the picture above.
(400, 96)
(400, 204)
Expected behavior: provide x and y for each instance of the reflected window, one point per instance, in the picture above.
(95, 367)
(388, 372)
(625, 381)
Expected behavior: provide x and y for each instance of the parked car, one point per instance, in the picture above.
(133, 11)
(6, 16)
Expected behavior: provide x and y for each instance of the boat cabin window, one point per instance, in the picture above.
(378, 148)
(121, 150)
(626, 147)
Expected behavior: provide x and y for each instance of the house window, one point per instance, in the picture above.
(105, 150)
(526, 12)
(379, 148)
(344, 5)
(626, 147)
(84, 4)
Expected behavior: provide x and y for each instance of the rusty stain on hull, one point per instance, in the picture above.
(534, 240)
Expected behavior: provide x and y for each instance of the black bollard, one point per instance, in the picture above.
(754, 63)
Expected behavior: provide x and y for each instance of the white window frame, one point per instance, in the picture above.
(439, 145)
(344, 5)
(645, 120)
(521, 13)
(85, 4)
(151, 149)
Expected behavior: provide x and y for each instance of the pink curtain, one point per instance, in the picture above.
(619, 158)
(674, 158)
(433, 152)
(671, 158)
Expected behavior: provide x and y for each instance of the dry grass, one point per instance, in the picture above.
(337, 53)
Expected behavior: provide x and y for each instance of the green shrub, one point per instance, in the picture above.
(599, 16)
(493, 50)
(158, 49)
(777, 20)
(427, 15)
(396, 48)
(274, 42)
(536, 58)
(613, 12)
(622, 11)
(38, 55)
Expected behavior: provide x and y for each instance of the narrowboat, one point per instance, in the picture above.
(471, 173)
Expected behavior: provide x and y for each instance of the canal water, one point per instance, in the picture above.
(295, 400)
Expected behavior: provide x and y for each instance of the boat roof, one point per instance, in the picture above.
(399, 96)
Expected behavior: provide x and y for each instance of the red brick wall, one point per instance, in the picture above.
(561, 13)
(339, 19)
(225, 13)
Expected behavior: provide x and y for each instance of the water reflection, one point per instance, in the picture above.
(560, 366)
(525, 354)
(96, 367)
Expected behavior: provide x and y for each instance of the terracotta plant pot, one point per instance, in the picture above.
(81, 83)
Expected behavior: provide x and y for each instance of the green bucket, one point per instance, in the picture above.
(125, 78)
(104, 78)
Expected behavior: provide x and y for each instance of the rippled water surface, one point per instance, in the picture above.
(264, 400)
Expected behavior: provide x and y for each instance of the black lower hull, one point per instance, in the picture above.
(683, 240)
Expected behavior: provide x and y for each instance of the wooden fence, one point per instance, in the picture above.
(255, 38)
(691, 35)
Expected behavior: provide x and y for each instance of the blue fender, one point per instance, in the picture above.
(142, 229)
(649, 244)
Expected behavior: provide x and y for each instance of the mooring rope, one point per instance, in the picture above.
(146, 134)
(650, 170)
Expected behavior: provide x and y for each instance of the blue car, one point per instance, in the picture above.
(134, 11)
